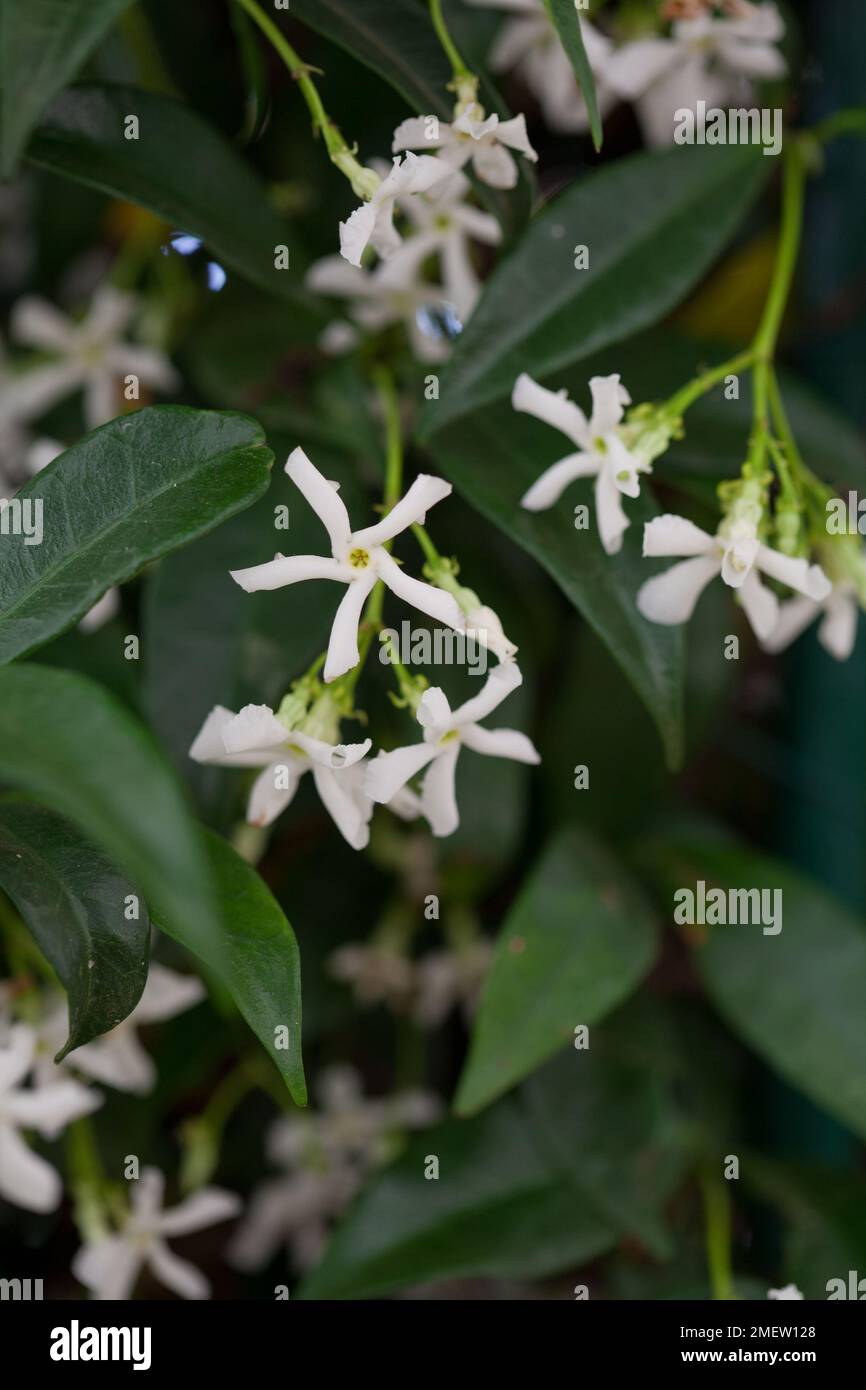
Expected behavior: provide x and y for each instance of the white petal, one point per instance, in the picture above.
(263, 1229)
(503, 679)
(635, 66)
(412, 508)
(332, 755)
(500, 743)
(481, 226)
(39, 324)
(167, 994)
(343, 643)
(52, 1107)
(760, 605)
(795, 615)
(738, 560)
(176, 1274)
(150, 366)
(117, 1060)
(322, 497)
(670, 598)
(348, 808)
(462, 286)
(494, 165)
(29, 395)
(290, 569)
(608, 398)
(610, 517)
(838, 630)
(356, 231)
(255, 729)
(102, 611)
(547, 489)
(673, 535)
(415, 174)
(109, 313)
(146, 1198)
(513, 133)
(389, 772)
(333, 275)
(436, 603)
(109, 1267)
(101, 398)
(553, 407)
(209, 746)
(204, 1208)
(438, 798)
(797, 574)
(622, 466)
(434, 711)
(16, 1055)
(412, 134)
(760, 61)
(267, 800)
(26, 1180)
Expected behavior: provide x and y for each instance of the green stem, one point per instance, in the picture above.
(393, 473)
(717, 1228)
(458, 67)
(681, 401)
(300, 72)
(431, 554)
(849, 122)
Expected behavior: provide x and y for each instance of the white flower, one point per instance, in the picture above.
(837, 632)
(737, 555)
(118, 1058)
(446, 978)
(256, 738)
(445, 733)
(602, 453)
(444, 224)
(327, 1154)
(790, 1291)
(373, 222)
(358, 560)
(484, 627)
(378, 975)
(486, 142)
(394, 292)
(25, 1178)
(91, 356)
(530, 45)
(705, 59)
(110, 1266)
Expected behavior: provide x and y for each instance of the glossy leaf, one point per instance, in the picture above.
(128, 492)
(179, 168)
(653, 224)
(76, 906)
(74, 748)
(42, 45)
(576, 942)
(259, 961)
(492, 458)
(564, 15)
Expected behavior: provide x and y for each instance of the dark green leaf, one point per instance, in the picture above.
(577, 941)
(564, 16)
(74, 747)
(796, 997)
(75, 904)
(123, 495)
(492, 458)
(258, 963)
(178, 167)
(653, 224)
(42, 45)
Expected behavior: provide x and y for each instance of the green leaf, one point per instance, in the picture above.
(130, 491)
(492, 458)
(74, 902)
(259, 961)
(575, 944)
(563, 13)
(796, 997)
(42, 45)
(538, 313)
(73, 747)
(178, 167)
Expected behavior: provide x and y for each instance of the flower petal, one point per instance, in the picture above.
(412, 508)
(838, 630)
(356, 231)
(673, 535)
(30, 394)
(500, 743)
(436, 603)
(608, 398)
(633, 67)
(503, 679)
(255, 729)
(759, 604)
(16, 1055)
(610, 517)
(109, 1267)
(670, 598)
(513, 133)
(101, 398)
(553, 407)
(438, 795)
(349, 808)
(434, 711)
(797, 574)
(206, 1207)
(494, 165)
(332, 755)
(389, 772)
(412, 134)
(117, 1060)
(26, 1180)
(795, 615)
(267, 800)
(549, 487)
(343, 643)
(290, 569)
(323, 497)
(209, 746)
(167, 994)
(38, 323)
(176, 1274)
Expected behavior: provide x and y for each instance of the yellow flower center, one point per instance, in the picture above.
(359, 558)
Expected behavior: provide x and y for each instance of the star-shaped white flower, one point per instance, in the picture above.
(487, 142)
(372, 224)
(90, 356)
(256, 738)
(706, 59)
(837, 632)
(529, 43)
(25, 1178)
(118, 1058)
(737, 555)
(446, 731)
(790, 1291)
(109, 1267)
(444, 225)
(358, 559)
(602, 453)
(395, 292)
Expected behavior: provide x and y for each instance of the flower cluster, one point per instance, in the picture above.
(303, 734)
